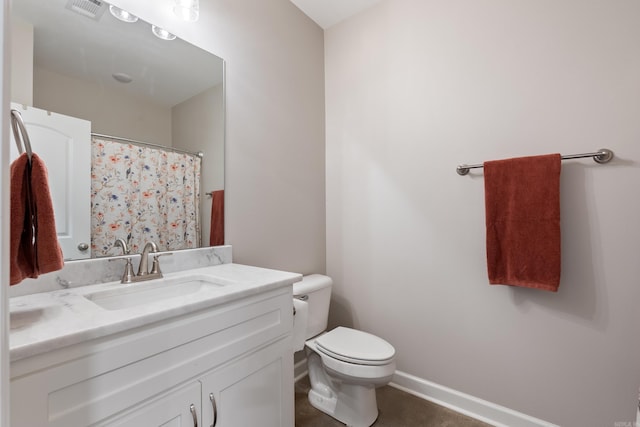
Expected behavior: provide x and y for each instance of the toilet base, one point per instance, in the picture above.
(322, 403)
(352, 404)
(362, 410)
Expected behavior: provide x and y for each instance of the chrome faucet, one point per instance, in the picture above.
(144, 273)
(123, 245)
(143, 269)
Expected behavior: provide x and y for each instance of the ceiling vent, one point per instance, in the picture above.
(90, 8)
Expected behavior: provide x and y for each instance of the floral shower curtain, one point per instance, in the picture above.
(143, 194)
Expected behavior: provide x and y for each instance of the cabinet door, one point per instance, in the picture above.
(176, 408)
(256, 390)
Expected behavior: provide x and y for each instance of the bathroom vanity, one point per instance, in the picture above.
(207, 347)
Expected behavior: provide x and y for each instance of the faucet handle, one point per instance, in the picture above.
(127, 276)
(155, 267)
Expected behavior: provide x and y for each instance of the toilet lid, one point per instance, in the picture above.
(350, 345)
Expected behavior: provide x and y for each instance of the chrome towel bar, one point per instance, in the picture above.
(603, 155)
(20, 134)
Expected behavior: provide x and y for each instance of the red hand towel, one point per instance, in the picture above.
(48, 251)
(216, 237)
(522, 201)
(21, 256)
(34, 247)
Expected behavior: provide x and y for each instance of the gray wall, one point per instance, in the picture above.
(118, 113)
(416, 87)
(274, 182)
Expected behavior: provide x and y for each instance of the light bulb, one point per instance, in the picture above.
(122, 15)
(162, 33)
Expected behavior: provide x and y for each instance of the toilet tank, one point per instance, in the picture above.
(316, 290)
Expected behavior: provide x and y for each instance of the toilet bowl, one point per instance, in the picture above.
(345, 365)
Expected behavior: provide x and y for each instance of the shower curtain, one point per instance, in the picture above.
(143, 194)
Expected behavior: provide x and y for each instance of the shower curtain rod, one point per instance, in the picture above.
(603, 155)
(149, 144)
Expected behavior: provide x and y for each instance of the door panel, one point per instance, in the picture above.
(252, 391)
(175, 409)
(64, 144)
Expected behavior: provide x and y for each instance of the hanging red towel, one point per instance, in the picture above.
(34, 247)
(216, 237)
(522, 201)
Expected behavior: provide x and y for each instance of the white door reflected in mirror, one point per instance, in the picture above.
(64, 144)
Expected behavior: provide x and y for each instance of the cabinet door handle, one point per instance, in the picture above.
(194, 414)
(215, 409)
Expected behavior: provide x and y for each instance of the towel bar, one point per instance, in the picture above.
(603, 155)
(20, 134)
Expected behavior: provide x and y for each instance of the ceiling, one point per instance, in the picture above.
(76, 46)
(327, 13)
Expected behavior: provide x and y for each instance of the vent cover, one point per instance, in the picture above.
(90, 8)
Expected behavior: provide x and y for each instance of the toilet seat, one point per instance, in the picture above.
(357, 347)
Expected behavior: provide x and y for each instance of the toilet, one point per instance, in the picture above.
(345, 365)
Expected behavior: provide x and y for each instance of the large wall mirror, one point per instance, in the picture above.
(132, 91)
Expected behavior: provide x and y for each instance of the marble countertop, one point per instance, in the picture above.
(48, 321)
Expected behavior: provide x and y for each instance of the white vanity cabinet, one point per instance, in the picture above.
(178, 408)
(237, 355)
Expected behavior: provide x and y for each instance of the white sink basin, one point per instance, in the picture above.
(137, 294)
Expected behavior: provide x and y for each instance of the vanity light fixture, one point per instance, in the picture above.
(122, 15)
(188, 10)
(162, 33)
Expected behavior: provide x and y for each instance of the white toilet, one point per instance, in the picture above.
(345, 365)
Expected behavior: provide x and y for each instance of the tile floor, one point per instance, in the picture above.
(397, 409)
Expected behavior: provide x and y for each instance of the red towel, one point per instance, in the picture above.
(216, 237)
(34, 247)
(522, 201)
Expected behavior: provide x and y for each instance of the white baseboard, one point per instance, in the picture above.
(471, 406)
(465, 404)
